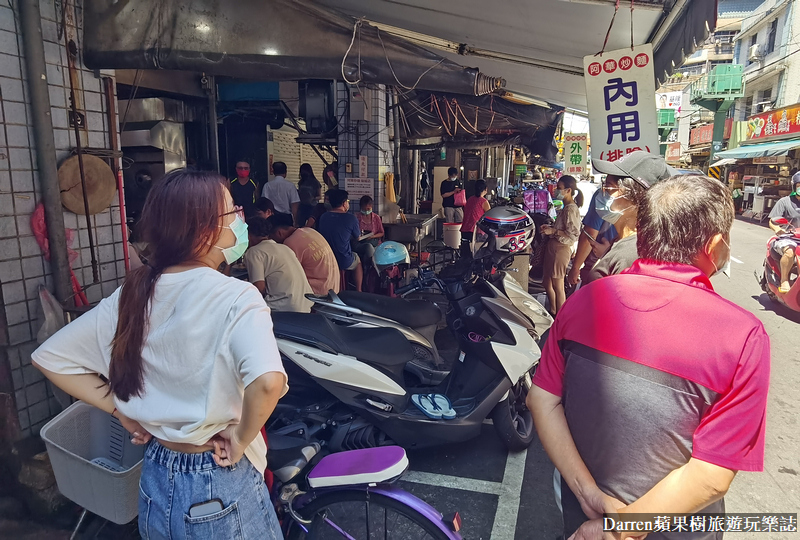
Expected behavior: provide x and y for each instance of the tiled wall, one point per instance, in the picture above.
(22, 266)
(379, 159)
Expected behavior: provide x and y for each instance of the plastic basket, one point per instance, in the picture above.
(95, 463)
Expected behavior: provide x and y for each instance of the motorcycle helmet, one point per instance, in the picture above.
(511, 228)
(390, 254)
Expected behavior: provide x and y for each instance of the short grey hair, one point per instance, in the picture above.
(678, 217)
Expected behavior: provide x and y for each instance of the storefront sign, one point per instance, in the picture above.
(358, 187)
(728, 129)
(621, 98)
(575, 153)
(770, 160)
(771, 124)
(673, 154)
(701, 135)
(670, 100)
(363, 172)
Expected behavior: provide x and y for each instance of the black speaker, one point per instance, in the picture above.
(318, 106)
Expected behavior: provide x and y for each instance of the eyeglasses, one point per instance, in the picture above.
(238, 210)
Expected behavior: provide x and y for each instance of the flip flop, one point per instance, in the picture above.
(444, 404)
(427, 406)
(784, 288)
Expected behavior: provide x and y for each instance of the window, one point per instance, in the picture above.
(748, 108)
(753, 41)
(766, 100)
(773, 35)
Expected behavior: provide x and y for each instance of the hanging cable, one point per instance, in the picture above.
(356, 28)
(610, 26)
(386, 55)
(631, 24)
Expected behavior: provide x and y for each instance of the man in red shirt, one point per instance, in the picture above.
(653, 402)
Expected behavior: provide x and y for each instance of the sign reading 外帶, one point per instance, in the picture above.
(621, 97)
(575, 150)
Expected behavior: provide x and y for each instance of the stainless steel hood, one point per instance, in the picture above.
(274, 40)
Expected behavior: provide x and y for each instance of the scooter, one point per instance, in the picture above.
(348, 386)
(770, 278)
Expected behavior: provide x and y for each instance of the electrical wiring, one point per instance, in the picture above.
(386, 55)
(356, 28)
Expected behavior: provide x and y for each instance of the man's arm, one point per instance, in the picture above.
(775, 227)
(295, 206)
(685, 490)
(582, 253)
(551, 425)
(261, 286)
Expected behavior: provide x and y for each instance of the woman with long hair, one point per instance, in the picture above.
(187, 361)
(563, 234)
(310, 191)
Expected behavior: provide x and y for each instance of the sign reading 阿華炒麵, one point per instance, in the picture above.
(621, 97)
(575, 151)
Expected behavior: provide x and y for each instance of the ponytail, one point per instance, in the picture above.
(578, 197)
(126, 372)
(176, 232)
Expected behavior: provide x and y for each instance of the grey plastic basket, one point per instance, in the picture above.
(95, 463)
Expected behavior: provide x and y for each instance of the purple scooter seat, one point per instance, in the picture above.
(359, 467)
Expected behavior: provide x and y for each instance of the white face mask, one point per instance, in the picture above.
(726, 267)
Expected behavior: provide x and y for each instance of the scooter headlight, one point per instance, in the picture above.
(536, 308)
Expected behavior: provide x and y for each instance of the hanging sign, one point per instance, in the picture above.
(362, 167)
(669, 100)
(358, 187)
(776, 123)
(575, 153)
(621, 97)
(673, 154)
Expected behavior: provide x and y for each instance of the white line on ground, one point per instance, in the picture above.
(734, 259)
(454, 482)
(505, 520)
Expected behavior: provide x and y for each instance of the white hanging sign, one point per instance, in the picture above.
(621, 97)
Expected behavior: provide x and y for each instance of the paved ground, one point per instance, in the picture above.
(510, 497)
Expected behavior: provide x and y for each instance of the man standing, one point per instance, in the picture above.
(341, 230)
(314, 254)
(643, 168)
(453, 213)
(275, 271)
(244, 189)
(784, 249)
(633, 415)
(281, 192)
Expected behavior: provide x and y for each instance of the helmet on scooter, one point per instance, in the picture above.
(390, 254)
(510, 226)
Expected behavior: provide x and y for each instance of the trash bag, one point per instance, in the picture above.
(53, 315)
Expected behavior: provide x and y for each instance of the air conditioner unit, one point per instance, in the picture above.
(754, 53)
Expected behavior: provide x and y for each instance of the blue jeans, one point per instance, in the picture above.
(173, 481)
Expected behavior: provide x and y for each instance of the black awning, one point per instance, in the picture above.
(686, 35)
(275, 40)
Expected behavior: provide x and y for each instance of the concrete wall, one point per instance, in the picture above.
(22, 266)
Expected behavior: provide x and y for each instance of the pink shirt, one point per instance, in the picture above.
(316, 258)
(473, 211)
(371, 223)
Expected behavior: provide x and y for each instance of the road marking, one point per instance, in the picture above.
(734, 259)
(455, 482)
(505, 520)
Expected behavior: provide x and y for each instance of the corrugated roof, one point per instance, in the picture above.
(737, 8)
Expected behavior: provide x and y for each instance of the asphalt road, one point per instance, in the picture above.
(510, 497)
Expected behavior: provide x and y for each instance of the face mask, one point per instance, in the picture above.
(366, 212)
(560, 194)
(235, 252)
(726, 268)
(603, 205)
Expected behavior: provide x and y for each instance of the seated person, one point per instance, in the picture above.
(784, 249)
(275, 271)
(340, 229)
(313, 252)
(264, 208)
(371, 229)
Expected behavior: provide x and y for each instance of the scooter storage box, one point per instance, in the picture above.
(95, 463)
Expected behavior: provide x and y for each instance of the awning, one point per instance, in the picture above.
(780, 148)
(276, 40)
(723, 162)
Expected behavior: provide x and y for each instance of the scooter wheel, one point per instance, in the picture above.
(512, 420)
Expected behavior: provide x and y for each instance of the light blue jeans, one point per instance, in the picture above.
(173, 481)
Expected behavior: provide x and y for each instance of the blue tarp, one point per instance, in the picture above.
(779, 148)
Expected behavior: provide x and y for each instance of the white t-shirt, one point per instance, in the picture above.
(283, 276)
(282, 193)
(208, 337)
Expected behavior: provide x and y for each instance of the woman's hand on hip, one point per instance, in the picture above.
(228, 447)
(140, 435)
